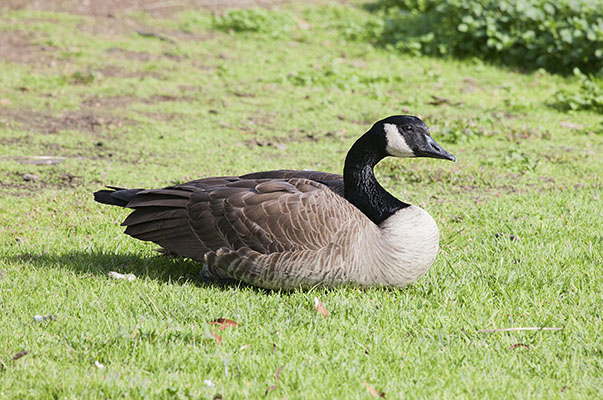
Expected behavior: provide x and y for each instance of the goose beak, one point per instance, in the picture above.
(434, 150)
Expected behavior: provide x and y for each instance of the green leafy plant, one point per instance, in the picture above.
(462, 130)
(518, 161)
(255, 20)
(82, 78)
(555, 35)
(587, 96)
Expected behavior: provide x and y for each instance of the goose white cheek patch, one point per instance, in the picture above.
(396, 145)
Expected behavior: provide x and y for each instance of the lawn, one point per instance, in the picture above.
(139, 98)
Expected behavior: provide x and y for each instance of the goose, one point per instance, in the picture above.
(289, 229)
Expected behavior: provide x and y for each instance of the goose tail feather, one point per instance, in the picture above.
(115, 196)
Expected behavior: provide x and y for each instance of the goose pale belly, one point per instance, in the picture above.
(410, 243)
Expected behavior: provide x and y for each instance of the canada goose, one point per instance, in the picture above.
(287, 229)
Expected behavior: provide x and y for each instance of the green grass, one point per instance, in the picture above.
(519, 213)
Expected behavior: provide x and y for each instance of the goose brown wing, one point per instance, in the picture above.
(287, 233)
(269, 215)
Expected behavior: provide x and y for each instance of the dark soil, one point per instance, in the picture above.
(41, 122)
(17, 46)
(112, 8)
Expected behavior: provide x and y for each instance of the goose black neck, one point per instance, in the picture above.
(361, 186)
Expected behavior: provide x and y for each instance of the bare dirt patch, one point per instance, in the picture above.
(25, 48)
(41, 122)
(109, 102)
(122, 102)
(111, 8)
(110, 26)
(116, 71)
(116, 54)
(163, 97)
(21, 185)
(17, 46)
(130, 55)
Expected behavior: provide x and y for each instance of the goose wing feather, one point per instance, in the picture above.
(277, 228)
(162, 216)
(268, 215)
(332, 181)
(279, 234)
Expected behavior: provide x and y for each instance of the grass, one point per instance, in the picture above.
(519, 214)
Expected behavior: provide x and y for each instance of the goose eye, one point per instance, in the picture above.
(407, 128)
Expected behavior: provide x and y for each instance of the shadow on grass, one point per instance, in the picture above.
(172, 270)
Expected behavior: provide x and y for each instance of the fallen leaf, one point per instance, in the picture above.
(564, 388)
(516, 345)
(374, 392)
(223, 323)
(218, 396)
(278, 372)
(277, 375)
(20, 354)
(217, 337)
(320, 308)
(269, 389)
(5, 101)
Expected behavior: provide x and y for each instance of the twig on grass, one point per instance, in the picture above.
(20, 354)
(156, 36)
(531, 328)
(162, 4)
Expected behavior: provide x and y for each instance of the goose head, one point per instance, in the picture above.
(408, 136)
(396, 136)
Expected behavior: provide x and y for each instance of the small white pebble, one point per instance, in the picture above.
(209, 383)
(41, 318)
(99, 365)
(117, 275)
